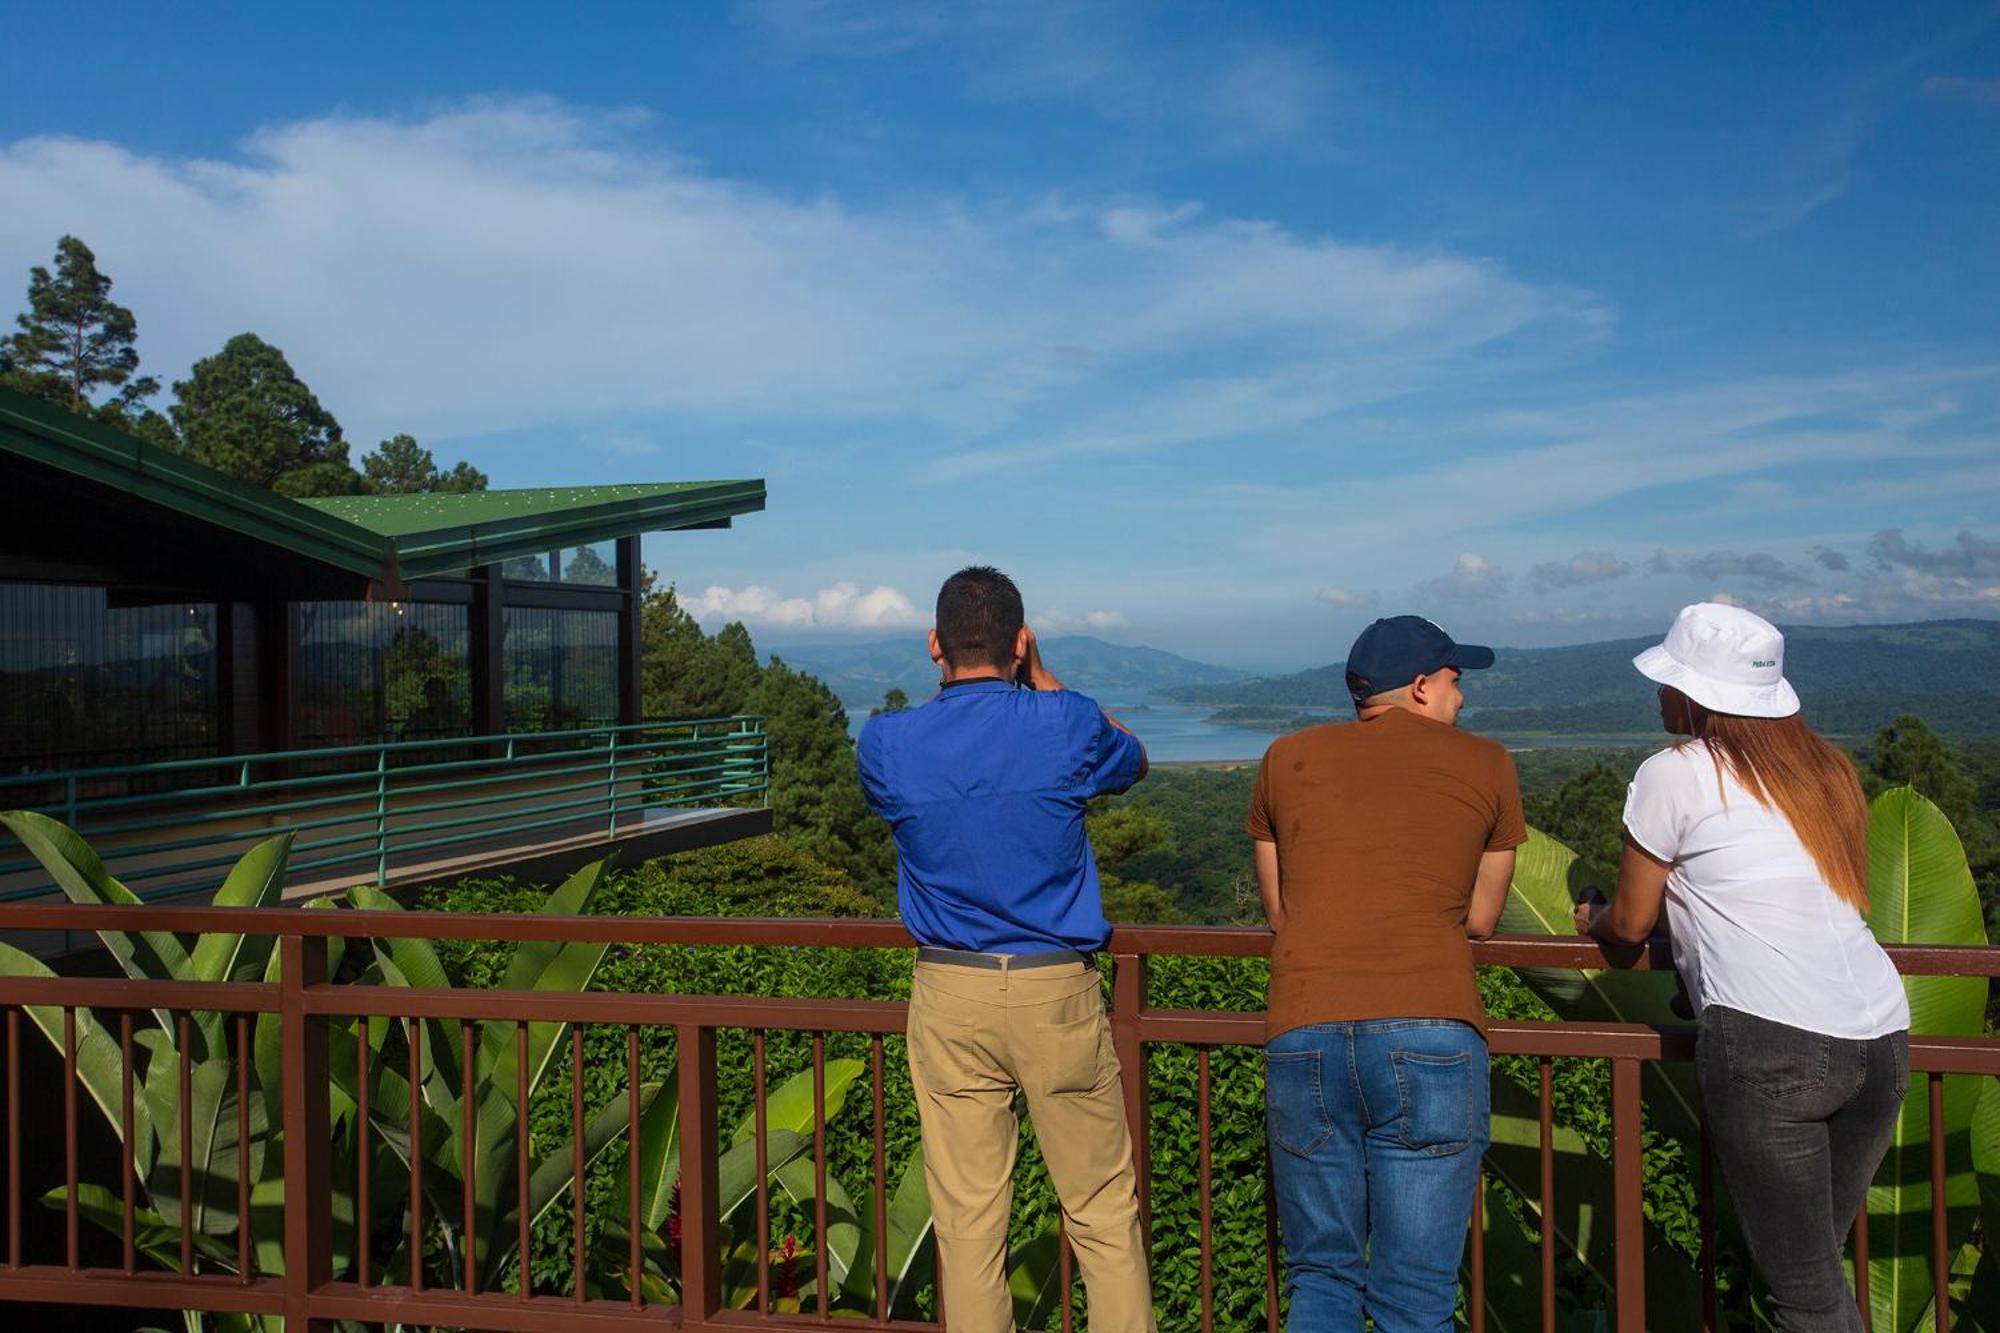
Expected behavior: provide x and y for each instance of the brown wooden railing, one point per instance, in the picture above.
(309, 1291)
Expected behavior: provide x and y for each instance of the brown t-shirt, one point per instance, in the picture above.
(1380, 826)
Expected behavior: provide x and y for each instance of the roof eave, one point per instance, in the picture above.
(460, 550)
(110, 458)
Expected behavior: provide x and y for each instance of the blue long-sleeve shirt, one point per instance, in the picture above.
(984, 788)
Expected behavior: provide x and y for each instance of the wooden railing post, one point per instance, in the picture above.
(1627, 1199)
(701, 1220)
(1128, 998)
(308, 1191)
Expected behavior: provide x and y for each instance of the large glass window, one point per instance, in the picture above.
(89, 676)
(374, 671)
(594, 565)
(562, 668)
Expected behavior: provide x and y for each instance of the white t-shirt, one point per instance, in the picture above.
(1755, 926)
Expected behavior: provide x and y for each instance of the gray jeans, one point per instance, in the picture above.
(1799, 1121)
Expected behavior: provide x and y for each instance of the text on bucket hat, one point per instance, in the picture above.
(1724, 658)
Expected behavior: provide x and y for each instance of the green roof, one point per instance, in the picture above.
(383, 537)
(439, 533)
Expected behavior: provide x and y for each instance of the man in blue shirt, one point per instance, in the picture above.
(984, 788)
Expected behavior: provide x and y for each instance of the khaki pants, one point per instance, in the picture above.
(976, 1038)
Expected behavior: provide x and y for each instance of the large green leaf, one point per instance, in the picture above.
(152, 955)
(1921, 892)
(909, 1258)
(152, 1235)
(268, 1041)
(789, 1107)
(790, 1104)
(1583, 1205)
(99, 1063)
(1513, 1266)
(736, 1169)
(415, 963)
(256, 880)
(551, 1177)
(535, 965)
(213, 1163)
(799, 1180)
(1981, 1306)
(659, 1156)
(1033, 1279)
(547, 966)
(1542, 903)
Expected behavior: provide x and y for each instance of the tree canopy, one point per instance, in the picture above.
(246, 413)
(401, 466)
(243, 411)
(73, 341)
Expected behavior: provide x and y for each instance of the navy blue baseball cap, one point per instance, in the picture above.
(1393, 652)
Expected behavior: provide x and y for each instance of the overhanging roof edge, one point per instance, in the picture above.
(467, 547)
(109, 457)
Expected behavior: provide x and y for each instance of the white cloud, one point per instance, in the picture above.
(1532, 465)
(1472, 575)
(513, 263)
(840, 607)
(1583, 567)
(1346, 598)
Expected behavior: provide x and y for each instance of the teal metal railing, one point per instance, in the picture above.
(176, 826)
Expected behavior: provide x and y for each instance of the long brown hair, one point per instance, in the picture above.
(1782, 763)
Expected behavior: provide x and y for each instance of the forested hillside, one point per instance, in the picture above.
(1854, 680)
(864, 672)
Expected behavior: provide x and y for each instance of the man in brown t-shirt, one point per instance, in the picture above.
(1382, 846)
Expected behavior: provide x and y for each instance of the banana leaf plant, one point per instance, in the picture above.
(161, 1046)
(491, 1085)
(1921, 892)
(257, 880)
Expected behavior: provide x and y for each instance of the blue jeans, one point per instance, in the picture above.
(1377, 1129)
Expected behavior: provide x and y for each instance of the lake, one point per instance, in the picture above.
(1173, 732)
(1177, 733)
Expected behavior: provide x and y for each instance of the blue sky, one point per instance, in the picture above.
(1223, 327)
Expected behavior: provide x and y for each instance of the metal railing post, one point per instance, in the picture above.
(611, 780)
(381, 818)
(1628, 1237)
(308, 1198)
(1128, 998)
(701, 1219)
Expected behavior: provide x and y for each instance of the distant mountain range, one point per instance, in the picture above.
(861, 673)
(1852, 680)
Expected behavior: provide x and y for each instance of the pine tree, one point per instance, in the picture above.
(247, 414)
(682, 671)
(1908, 751)
(401, 466)
(815, 788)
(74, 341)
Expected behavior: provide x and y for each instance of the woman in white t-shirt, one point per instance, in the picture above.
(1753, 834)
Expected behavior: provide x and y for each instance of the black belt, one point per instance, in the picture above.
(994, 962)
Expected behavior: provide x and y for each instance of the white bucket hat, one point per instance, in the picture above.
(1726, 659)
